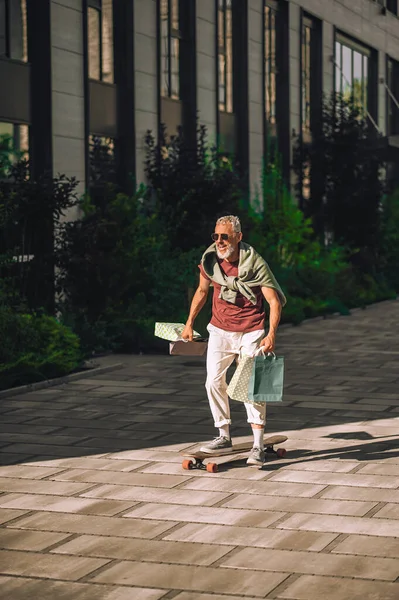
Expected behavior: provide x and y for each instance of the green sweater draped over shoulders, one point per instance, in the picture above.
(253, 271)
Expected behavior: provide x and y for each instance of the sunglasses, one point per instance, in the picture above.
(222, 236)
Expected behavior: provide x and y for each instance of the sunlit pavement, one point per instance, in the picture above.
(94, 503)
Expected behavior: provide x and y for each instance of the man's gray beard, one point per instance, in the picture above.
(227, 253)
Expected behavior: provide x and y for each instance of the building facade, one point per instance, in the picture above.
(250, 70)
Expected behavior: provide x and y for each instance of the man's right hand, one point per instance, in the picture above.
(187, 333)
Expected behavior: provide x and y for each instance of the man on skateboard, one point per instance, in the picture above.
(242, 281)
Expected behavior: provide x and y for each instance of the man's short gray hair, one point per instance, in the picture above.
(234, 221)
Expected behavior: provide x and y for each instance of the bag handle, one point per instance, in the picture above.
(261, 352)
(258, 352)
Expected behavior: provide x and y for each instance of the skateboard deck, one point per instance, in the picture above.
(195, 458)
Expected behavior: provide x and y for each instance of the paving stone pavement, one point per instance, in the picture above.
(94, 503)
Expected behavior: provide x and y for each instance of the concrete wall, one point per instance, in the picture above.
(294, 45)
(206, 66)
(146, 78)
(68, 89)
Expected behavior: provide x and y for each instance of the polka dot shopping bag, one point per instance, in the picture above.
(258, 379)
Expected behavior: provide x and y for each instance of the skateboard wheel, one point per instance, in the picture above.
(187, 464)
(281, 452)
(211, 467)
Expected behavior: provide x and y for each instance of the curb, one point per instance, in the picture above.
(48, 383)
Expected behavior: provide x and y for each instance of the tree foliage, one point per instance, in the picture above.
(346, 186)
(189, 189)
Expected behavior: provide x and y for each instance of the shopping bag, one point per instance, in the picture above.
(267, 379)
(171, 331)
(238, 386)
(197, 347)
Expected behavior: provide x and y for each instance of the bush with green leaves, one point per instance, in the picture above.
(118, 274)
(190, 188)
(389, 240)
(30, 209)
(319, 279)
(131, 260)
(346, 187)
(35, 347)
(32, 347)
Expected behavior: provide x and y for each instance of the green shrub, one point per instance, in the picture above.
(318, 279)
(346, 186)
(389, 240)
(34, 348)
(29, 211)
(118, 274)
(190, 188)
(132, 260)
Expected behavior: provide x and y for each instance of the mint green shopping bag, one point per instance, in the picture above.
(267, 379)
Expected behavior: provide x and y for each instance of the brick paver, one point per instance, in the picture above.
(94, 504)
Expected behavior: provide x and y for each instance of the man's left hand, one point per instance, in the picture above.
(268, 343)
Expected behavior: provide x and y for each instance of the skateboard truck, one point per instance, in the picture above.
(198, 463)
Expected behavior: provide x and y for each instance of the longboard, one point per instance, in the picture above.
(195, 458)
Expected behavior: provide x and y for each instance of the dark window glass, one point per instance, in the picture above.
(100, 40)
(311, 89)
(225, 55)
(94, 40)
(3, 28)
(13, 29)
(390, 105)
(306, 76)
(306, 101)
(14, 141)
(391, 5)
(352, 64)
(101, 160)
(107, 36)
(365, 84)
(270, 67)
(392, 95)
(170, 49)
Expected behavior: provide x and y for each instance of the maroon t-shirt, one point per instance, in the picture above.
(243, 316)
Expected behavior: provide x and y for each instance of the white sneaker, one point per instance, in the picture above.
(256, 457)
(217, 445)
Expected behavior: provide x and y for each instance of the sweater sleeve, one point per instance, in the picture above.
(201, 268)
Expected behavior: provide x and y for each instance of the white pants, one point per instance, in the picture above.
(223, 348)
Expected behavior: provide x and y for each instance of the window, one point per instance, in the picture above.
(311, 89)
(352, 70)
(225, 55)
(311, 74)
(14, 144)
(391, 5)
(306, 74)
(170, 49)
(276, 110)
(100, 37)
(13, 29)
(392, 96)
(270, 66)
(102, 159)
